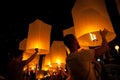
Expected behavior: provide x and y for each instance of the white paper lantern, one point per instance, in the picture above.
(58, 53)
(26, 55)
(70, 30)
(90, 16)
(22, 44)
(39, 37)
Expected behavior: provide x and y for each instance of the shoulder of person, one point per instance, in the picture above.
(82, 50)
(86, 51)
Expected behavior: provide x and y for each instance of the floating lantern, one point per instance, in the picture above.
(89, 17)
(58, 54)
(39, 37)
(46, 62)
(26, 55)
(70, 30)
(22, 44)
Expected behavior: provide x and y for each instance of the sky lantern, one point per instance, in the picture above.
(22, 44)
(39, 37)
(26, 55)
(46, 62)
(70, 30)
(33, 63)
(58, 54)
(90, 16)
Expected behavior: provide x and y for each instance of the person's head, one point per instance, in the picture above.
(31, 72)
(18, 55)
(71, 42)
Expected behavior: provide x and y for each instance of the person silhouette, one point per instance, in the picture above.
(80, 62)
(16, 65)
(32, 75)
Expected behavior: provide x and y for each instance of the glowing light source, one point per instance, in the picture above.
(93, 37)
(117, 48)
(39, 37)
(26, 54)
(58, 53)
(89, 16)
(46, 62)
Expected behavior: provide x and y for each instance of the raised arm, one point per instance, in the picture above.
(32, 57)
(104, 45)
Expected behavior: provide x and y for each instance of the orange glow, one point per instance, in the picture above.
(58, 62)
(93, 37)
(47, 59)
(90, 16)
(45, 68)
(41, 76)
(39, 36)
(58, 52)
(32, 64)
(46, 63)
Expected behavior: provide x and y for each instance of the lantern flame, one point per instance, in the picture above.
(93, 37)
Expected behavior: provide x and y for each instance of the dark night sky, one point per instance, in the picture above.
(15, 18)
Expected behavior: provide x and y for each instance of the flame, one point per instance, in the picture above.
(93, 37)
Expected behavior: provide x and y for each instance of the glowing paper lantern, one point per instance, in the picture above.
(89, 17)
(39, 37)
(58, 53)
(22, 44)
(32, 64)
(26, 55)
(46, 62)
(70, 30)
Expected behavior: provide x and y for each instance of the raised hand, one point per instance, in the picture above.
(36, 50)
(103, 32)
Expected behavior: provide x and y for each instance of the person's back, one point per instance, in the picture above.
(80, 65)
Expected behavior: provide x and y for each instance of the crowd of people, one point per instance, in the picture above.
(81, 65)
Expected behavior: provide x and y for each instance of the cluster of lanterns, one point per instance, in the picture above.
(88, 16)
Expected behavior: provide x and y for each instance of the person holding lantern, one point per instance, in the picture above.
(16, 65)
(80, 63)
